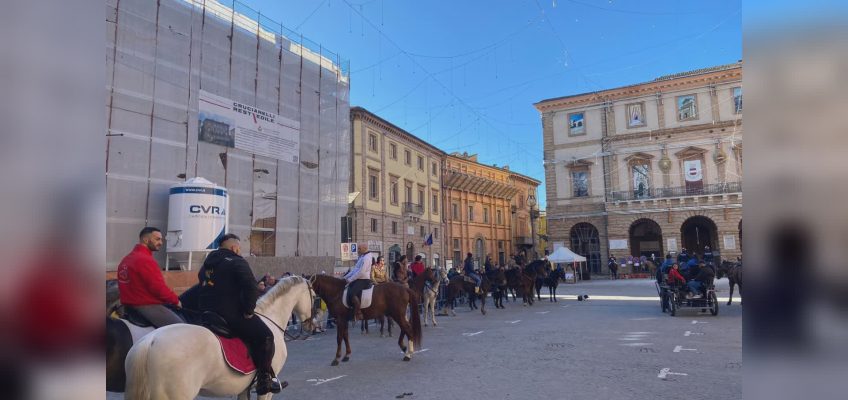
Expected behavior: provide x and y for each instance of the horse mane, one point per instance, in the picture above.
(282, 288)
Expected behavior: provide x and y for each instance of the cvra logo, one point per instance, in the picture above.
(200, 209)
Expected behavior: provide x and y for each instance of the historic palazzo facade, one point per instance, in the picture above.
(647, 169)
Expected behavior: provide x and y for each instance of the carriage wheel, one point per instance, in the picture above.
(714, 303)
(672, 304)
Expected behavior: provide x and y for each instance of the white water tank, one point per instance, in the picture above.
(197, 216)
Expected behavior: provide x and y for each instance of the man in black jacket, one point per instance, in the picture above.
(228, 288)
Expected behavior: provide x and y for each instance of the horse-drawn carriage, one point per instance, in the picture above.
(673, 298)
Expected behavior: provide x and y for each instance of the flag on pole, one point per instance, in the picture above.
(429, 240)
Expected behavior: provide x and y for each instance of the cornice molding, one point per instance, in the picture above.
(638, 90)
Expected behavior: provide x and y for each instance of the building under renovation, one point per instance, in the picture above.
(201, 89)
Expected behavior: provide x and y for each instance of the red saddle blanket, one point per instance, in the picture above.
(236, 355)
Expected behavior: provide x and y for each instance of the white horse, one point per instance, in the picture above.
(183, 361)
(431, 294)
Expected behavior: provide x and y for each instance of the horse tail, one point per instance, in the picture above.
(138, 387)
(416, 318)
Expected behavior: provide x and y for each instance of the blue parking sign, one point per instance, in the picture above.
(353, 248)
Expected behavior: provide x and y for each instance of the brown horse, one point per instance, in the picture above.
(417, 284)
(459, 285)
(524, 280)
(733, 270)
(388, 299)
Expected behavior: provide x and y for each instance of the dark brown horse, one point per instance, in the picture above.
(517, 284)
(733, 270)
(388, 299)
(459, 285)
(524, 280)
(500, 284)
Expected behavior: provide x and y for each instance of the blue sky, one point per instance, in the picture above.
(464, 75)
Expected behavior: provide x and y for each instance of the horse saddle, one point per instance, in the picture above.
(216, 323)
(364, 298)
(235, 351)
(134, 317)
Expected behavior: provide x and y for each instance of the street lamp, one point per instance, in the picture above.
(534, 214)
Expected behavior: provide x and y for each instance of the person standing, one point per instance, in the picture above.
(612, 264)
(682, 258)
(228, 288)
(359, 279)
(141, 285)
(709, 257)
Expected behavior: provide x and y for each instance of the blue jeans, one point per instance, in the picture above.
(694, 287)
(477, 279)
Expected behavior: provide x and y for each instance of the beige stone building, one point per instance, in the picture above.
(398, 178)
(487, 210)
(646, 169)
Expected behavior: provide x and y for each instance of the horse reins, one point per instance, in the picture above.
(311, 312)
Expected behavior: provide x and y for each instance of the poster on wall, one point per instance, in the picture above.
(229, 123)
(618, 244)
(729, 242)
(672, 244)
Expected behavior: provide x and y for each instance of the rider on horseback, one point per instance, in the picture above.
(468, 268)
(359, 279)
(141, 285)
(487, 265)
(228, 288)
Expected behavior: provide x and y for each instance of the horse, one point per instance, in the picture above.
(552, 281)
(524, 280)
(733, 271)
(459, 285)
(516, 284)
(113, 297)
(417, 284)
(122, 333)
(183, 361)
(431, 294)
(540, 281)
(388, 299)
(499, 291)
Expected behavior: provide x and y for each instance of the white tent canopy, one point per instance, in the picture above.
(564, 255)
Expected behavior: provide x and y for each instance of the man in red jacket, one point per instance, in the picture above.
(141, 284)
(417, 267)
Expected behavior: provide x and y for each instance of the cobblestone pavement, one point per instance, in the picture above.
(617, 345)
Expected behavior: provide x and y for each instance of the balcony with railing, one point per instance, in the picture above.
(523, 241)
(412, 208)
(680, 191)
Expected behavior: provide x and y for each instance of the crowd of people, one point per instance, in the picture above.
(690, 272)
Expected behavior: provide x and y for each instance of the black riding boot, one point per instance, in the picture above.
(266, 379)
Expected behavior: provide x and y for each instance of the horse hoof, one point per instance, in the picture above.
(407, 358)
(382, 335)
(334, 363)
(728, 303)
(346, 359)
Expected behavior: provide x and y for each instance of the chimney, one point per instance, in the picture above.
(506, 167)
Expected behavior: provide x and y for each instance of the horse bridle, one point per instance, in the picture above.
(311, 314)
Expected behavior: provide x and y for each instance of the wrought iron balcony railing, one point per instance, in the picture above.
(412, 208)
(681, 191)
